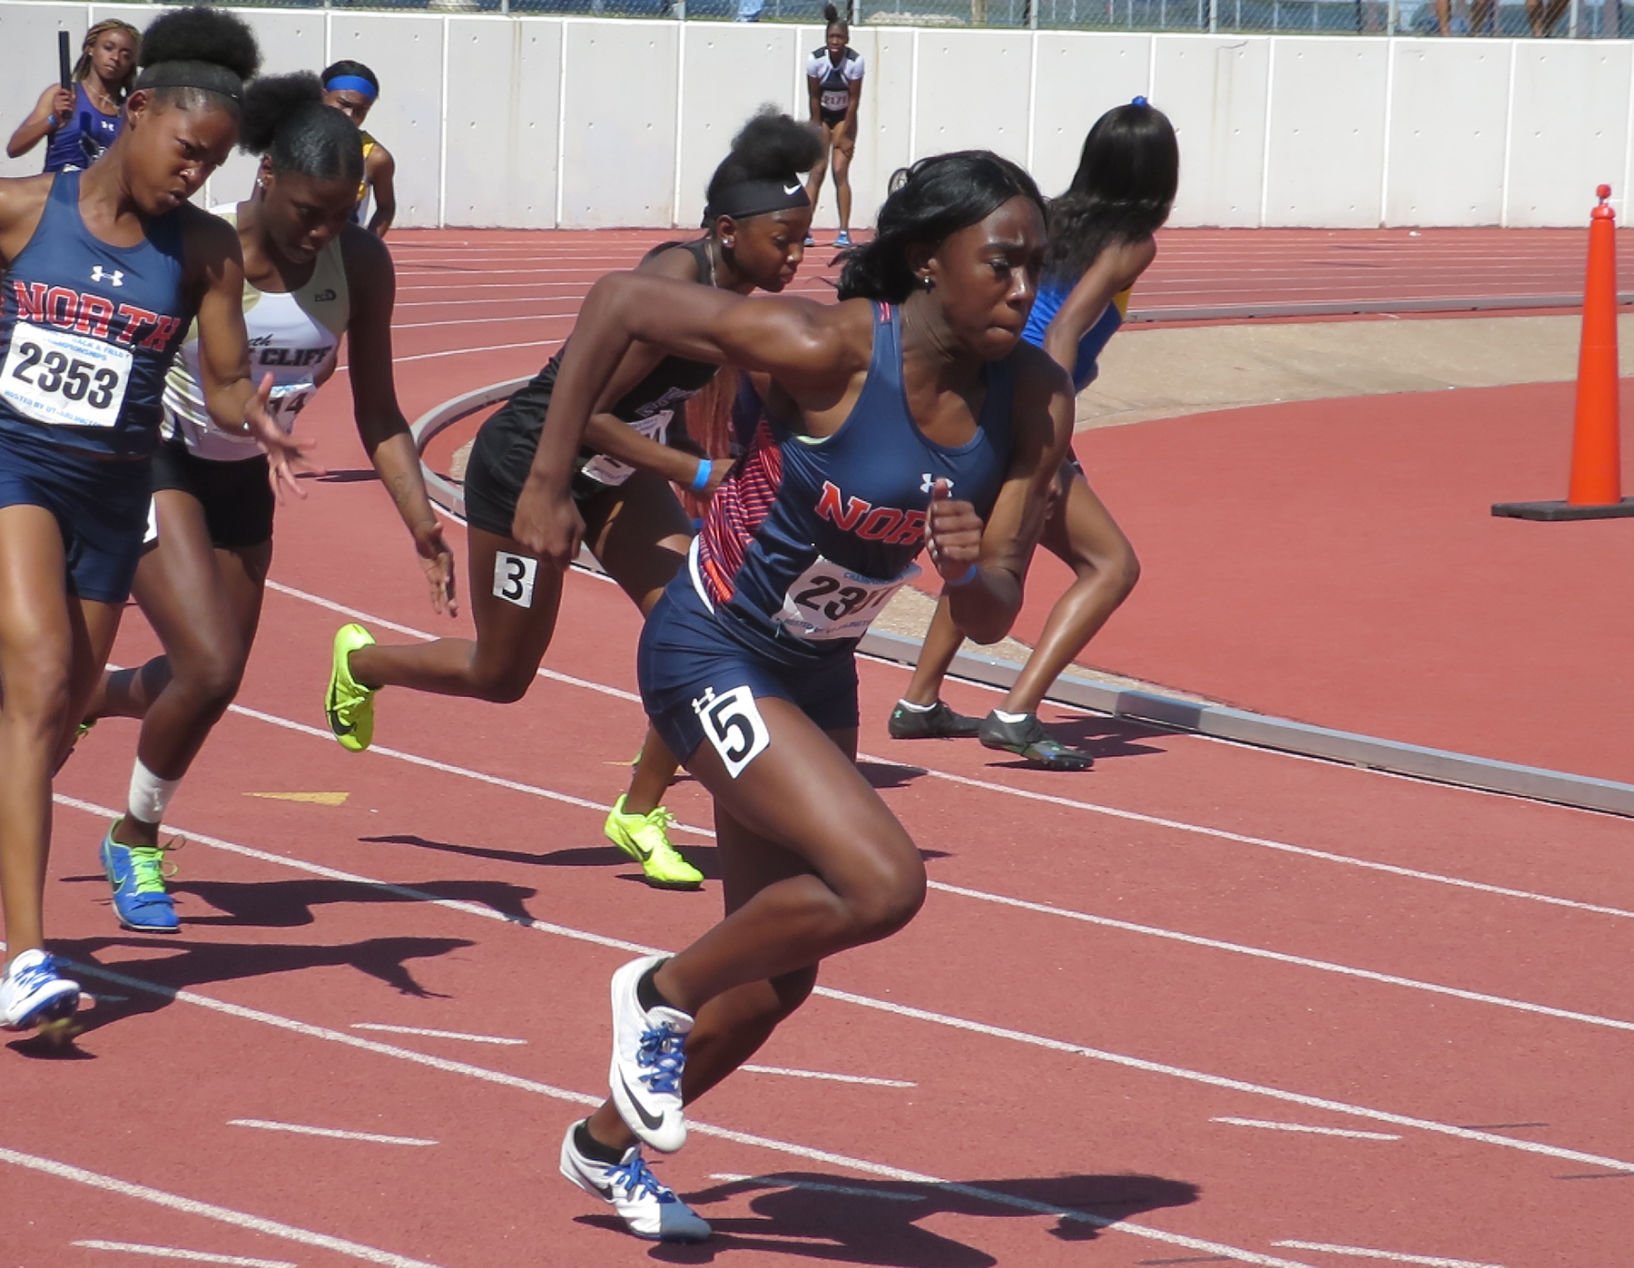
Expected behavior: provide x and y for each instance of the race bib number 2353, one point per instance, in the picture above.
(62, 379)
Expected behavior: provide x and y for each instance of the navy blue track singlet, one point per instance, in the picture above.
(81, 140)
(807, 539)
(88, 330)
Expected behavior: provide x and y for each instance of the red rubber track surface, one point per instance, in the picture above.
(1338, 562)
(1109, 969)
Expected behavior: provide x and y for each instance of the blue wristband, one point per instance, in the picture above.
(969, 575)
(700, 482)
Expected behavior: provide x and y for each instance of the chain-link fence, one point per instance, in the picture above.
(1579, 19)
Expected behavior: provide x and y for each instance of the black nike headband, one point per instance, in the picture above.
(757, 198)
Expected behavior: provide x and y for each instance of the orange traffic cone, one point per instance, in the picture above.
(1594, 491)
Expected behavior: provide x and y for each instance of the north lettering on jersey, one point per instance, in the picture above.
(894, 526)
(89, 314)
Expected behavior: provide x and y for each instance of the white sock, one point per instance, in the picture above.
(149, 795)
(1011, 718)
(911, 707)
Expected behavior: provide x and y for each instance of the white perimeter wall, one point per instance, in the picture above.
(547, 122)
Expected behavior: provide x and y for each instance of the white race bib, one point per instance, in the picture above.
(514, 576)
(286, 403)
(827, 601)
(733, 726)
(837, 102)
(612, 472)
(62, 379)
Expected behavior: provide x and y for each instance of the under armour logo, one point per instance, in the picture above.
(927, 482)
(112, 278)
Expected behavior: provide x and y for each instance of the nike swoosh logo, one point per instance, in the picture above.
(651, 1123)
(606, 1190)
(792, 189)
(335, 724)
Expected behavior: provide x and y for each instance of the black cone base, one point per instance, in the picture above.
(1564, 510)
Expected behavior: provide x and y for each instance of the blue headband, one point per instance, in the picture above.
(352, 83)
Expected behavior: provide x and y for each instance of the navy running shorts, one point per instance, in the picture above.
(695, 678)
(100, 504)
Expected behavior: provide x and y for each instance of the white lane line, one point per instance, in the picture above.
(1283, 957)
(431, 763)
(1304, 1127)
(814, 1186)
(1213, 944)
(433, 1034)
(551, 675)
(827, 992)
(819, 1074)
(460, 352)
(176, 1255)
(206, 1210)
(1284, 847)
(476, 321)
(862, 1165)
(1395, 1257)
(1055, 800)
(332, 1133)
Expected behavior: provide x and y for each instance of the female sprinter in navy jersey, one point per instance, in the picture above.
(104, 271)
(83, 120)
(834, 83)
(310, 276)
(352, 88)
(911, 414)
(757, 216)
(1100, 243)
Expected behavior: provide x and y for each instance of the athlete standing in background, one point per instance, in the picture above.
(82, 121)
(834, 83)
(352, 88)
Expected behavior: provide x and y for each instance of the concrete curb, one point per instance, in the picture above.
(1262, 730)
(1358, 308)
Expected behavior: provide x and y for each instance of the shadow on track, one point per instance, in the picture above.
(841, 1220)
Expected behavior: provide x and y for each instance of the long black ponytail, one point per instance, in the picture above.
(1122, 191)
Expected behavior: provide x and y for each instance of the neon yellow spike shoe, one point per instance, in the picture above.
(349, 704)
(645, 838)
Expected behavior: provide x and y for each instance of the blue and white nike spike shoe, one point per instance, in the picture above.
(649, 1053)
(648, 1208)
